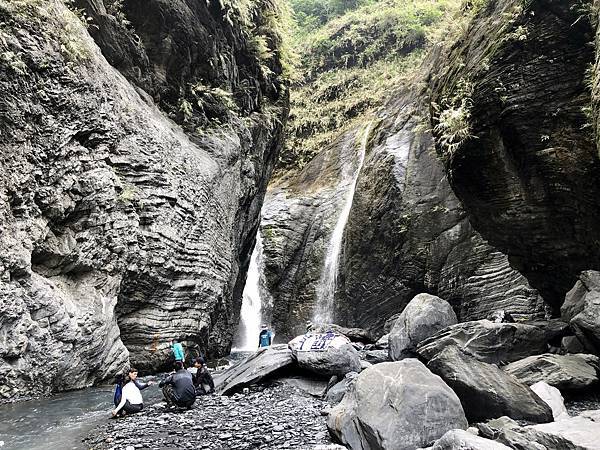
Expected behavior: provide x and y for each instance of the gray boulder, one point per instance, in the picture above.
(486, 391)
(395, 406)
(336, 393)
(354, 334)
(332, 361)
(571, 344)
(495, 342)
(375, 356)
(463, 440)
(312, 386)
(565, 372)
(424, 316)
(553, 399)
(582, 309)
(574, 433)
(263, 363)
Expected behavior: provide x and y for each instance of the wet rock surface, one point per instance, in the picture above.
(485, 391)
(529, 176)
(124, 227)
(274, 416)
(495, 342)
(565, 372)
(265, 362)
(407, 232)
(582, 310)
(423, 317)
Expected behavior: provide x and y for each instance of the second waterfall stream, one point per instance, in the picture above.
(327, 284)
(252, 302)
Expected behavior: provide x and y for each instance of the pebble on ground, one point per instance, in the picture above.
(277, 416)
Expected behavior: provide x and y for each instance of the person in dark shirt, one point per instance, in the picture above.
(203, 381)
(265, 338)
(178, 388)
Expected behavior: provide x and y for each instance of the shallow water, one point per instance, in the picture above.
(61, 421)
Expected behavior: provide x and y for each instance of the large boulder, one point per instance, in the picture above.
(463, 440)
(261, 364)
(553, 399)
(495, 342)
(331, 361)
(395, 406)
(424, 316)
(317, 387)
(485, 391)
(582, 309)
(575, 433)
(565, 372)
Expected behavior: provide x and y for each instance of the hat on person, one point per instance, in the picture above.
(200, 360)
(264, 326)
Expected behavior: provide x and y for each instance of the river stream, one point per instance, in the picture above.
(61, 421)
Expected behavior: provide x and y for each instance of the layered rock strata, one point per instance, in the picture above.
(121, 228)
(522, 157)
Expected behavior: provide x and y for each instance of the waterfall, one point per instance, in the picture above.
(328, 282)
(252, 303)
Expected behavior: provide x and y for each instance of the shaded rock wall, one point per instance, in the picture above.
(117, 226)
(298, 217)
(528, 176)
(407, 233)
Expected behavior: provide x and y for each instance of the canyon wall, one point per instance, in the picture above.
(136, 154)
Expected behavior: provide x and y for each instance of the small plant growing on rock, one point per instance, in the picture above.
(128, 194)
(454, 120)
(14, 62)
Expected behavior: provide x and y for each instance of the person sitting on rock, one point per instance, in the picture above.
(178, 352)
(203, 381)
(178, 388)
(265, 338)
(131, 398)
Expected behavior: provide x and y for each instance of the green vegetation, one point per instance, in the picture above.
(351, 54)
(67, 29)
(454, 119)
(14, 62)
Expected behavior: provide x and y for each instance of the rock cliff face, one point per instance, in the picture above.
(298, 218)
(407, 232)
(130, 197)
(480, 182)
(527, 168)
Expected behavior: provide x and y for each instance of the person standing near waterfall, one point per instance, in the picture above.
(265, 338)
(178, 352)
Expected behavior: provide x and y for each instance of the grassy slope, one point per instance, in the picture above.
(348, 64)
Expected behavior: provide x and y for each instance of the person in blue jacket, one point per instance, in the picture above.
(265, 338)
(178, 352)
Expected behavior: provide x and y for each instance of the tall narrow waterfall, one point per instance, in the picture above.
(252, 303)
(328, 282)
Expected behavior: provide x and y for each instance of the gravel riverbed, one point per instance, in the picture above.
(274, 416)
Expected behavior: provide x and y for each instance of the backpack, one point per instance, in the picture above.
(118, 394)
